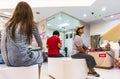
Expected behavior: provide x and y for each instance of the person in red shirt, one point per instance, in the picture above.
(54, 44)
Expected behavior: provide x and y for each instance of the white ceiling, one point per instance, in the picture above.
(47, 3)
(112, 8)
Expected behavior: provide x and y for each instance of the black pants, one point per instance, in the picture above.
(89, 59)
(58, 55)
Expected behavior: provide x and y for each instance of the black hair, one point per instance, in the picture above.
(56, 33)
(119, 41)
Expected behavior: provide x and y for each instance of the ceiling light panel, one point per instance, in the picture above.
(66, 23)
(112, 17)
(47, 3)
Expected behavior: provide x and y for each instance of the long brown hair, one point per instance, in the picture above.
(23, 17)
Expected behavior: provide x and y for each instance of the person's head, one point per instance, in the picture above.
(22, 16)
(56, 33)
(22, 12)
(119, 42)
(79, 30)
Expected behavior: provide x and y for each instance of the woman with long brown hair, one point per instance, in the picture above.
(17, 36)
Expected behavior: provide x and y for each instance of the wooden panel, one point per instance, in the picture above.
(113, 34)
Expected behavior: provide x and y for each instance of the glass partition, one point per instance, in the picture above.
(63, 23)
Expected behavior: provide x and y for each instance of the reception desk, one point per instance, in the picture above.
(102, 59)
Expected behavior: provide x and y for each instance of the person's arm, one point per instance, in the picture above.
(37, 37)
(47, 44)
(81, 49)
(59, 45)
(79, 44)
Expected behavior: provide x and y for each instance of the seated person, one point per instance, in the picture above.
(79, 51)
(54, 45)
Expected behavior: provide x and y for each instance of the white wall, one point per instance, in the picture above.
(86, 35)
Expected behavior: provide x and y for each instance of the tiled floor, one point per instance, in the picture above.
(104, 73)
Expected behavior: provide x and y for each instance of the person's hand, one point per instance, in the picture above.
(87, 50)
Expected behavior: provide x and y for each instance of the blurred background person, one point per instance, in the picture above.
(119, 47)
(54, 44)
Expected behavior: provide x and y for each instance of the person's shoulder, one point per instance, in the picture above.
(77, 36)
(50, 37)
(55, 37)
(3, 31)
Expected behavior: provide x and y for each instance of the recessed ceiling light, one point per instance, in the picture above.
(111, 16)
(103, 9)
(84, 15)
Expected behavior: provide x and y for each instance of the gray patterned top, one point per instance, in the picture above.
(77, 42)
(17, 53)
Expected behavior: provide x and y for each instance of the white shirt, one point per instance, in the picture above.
(77, 42)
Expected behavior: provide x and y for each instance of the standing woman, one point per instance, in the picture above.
(17, 36)
(79, 51)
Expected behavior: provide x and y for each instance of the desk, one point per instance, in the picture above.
(102, 59)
